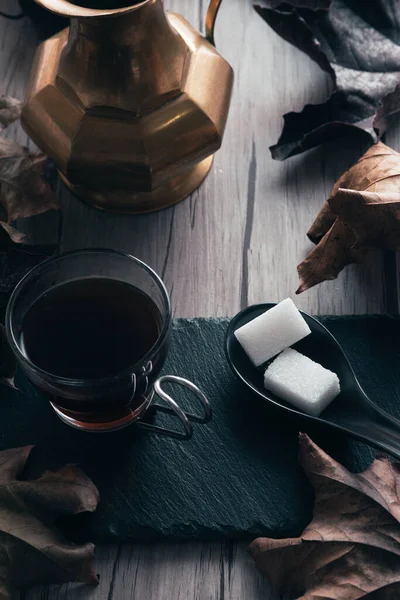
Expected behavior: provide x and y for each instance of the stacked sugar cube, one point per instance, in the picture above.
(291, 376)
(302, 382)
(273, 331)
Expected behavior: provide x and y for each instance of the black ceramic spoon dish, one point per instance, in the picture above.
(352, 412)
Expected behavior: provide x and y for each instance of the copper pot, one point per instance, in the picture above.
(130, 103)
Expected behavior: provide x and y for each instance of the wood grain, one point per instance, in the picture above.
(235, 241)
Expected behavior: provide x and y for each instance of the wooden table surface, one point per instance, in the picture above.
(235, 241)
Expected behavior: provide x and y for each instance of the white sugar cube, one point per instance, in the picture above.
(302, 382)
(273, 331)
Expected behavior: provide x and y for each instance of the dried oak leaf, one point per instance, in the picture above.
(351, 548)
(24, 189)
(377, 170)
(10, 110)
(8, 363)
(363, 211)
(358, 44)
(32, 550)
(334, 252)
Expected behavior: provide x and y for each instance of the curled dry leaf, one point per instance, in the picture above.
(363, 211)
(357, 44)
(24, 190)
(351, 548)
(374, 217)
(377, 170)
(334, 252)
(10, 110)
(8, 363)
(13, 235)
(31, 548)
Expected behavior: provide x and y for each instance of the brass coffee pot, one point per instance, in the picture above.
(130, 103)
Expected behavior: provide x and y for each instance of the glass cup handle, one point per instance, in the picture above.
(172, 408)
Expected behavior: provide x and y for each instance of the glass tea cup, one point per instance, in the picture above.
(98, 402)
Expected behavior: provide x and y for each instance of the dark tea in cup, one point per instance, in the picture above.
(90, 330)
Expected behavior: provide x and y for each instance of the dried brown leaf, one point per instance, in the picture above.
(31, 548)
(322, 223)
(364, 175)
(24, 190)
(334, 252)
(14, 235)
(351, 548)
(375, 218)
(10, 110)
(357, 44)
(361, 212)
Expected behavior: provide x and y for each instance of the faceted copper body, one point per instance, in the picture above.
(129, 103)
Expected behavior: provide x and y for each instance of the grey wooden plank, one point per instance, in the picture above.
(285, 197)
(107, 559)
(195, 571)
(392, 261)
(17, 47)
(222, 571)
(17, 44)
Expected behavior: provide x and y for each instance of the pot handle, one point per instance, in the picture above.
(172, 408)
(211, 17)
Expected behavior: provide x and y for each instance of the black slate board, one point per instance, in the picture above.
(238, 477)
